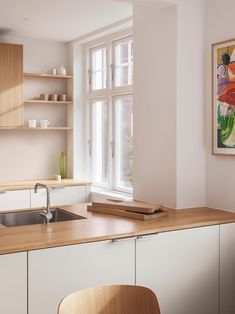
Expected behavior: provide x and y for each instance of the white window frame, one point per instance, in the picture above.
(110, 93)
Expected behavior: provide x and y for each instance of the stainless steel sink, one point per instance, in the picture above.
(33, 217)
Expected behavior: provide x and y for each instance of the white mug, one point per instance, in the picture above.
(44, 123)
(32, 123)
(57, 177)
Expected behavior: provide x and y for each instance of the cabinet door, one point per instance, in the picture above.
(61, 196)
(14, 199)
(54, 273)
(227, 269)
(182, 268)
(13, 283)
(11, 82)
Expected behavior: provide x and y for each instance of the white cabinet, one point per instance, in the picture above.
(54, 273)
(182, 267)
(61, 196)
(13, 283)
(227, 268)
(21, 199)
(14, 199)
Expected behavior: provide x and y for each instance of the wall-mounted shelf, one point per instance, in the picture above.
(37, 101)
(49, 76)
(36, 129)
(34, 104)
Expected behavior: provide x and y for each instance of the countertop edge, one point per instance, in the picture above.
(141, 229)
(27, 185)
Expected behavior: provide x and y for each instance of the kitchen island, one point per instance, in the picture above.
(186, 258)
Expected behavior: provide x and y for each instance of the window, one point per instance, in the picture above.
(124, 141)
(99, 133)
(98, 69)
(123, 63)
(110, 77)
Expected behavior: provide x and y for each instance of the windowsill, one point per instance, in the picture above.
(101, 194)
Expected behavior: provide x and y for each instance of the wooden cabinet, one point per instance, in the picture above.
(61, 196)
(54, 273)
(227, 268)
(182, 267)
(11, 85)
(10, 200)
(13, 283)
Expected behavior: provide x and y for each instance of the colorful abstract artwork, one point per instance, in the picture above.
(224, 98)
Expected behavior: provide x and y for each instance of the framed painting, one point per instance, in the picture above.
(223, 98)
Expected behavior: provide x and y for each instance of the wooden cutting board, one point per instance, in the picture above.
(127, 214)
(130, 206)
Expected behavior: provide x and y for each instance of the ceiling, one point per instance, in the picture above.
(161, 4)
(62, 20)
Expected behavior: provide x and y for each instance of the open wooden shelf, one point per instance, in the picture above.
(38, 101)
(35, 129)
(49, 76)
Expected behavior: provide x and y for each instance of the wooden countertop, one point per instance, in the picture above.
(24, 185)
(103, 227)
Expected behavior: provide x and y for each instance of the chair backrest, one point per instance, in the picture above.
(111, 300)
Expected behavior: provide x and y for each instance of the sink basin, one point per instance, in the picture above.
(33, 217)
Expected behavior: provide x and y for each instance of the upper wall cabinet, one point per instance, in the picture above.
(11, 85)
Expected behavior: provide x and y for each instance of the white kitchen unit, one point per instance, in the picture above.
(227, 268)
(13, 283)
(10, 200)
(61, 196)
(182, 268)
(54, 273)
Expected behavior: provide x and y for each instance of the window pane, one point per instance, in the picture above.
(123, 64)
(124, 142)
(99, 136)
(98, 69)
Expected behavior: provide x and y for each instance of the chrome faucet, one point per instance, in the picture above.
(45, 213)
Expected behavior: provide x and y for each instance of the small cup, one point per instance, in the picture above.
(44, 123)
(53, 97)
(57, 177)
(44, 97)
(32, 123)
(54, 71)
(63, 97)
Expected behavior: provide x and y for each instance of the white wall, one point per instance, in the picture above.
(155, 104)
(191, 163)
(29, 155)
(80, 144)
(169, 103)
(220, 170)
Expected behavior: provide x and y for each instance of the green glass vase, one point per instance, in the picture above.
(63, 165)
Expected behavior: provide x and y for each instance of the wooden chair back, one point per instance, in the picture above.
(111, 300)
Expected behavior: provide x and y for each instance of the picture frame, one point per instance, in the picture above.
(223, 98)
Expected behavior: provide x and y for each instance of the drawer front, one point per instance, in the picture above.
(227, 268)
(13, 283)
(54, 273)
(61, 196)
(10, 200)
(182, 268)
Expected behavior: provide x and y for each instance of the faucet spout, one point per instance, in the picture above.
(47, 214)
